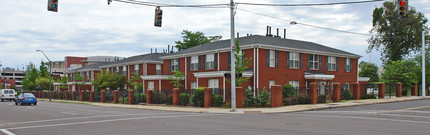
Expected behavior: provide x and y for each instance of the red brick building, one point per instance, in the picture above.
(274, 61)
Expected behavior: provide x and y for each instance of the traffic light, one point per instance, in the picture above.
(53, 5)
(158, 17)
(403, 8)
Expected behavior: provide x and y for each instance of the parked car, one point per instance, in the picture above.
(7, 94)
(26, 98)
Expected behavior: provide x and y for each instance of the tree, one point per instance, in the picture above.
(418, 60)
(404, 71)
(241, 64)
(190, 39)
(394, 37)
(79, 80)
(369, 70)
(63, 82)
(29, 80)
(109, 80)
(177, 78)
(43, 70)
(43, 83)
(134, 81)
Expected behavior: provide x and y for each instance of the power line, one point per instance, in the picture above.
(153, 4)
(309, 25)
(312, 4)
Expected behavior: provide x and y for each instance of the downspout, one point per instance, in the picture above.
(185, 59)
(254, 70)
(258, 64)
(217, 59)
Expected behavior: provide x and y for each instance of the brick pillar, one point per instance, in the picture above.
(102, 95)
(91, 96)
(59, 94)
(53, 94)
(398, 89)
(381, 90)
(414, 91)
(356, 91)
(207, 97)
(46, 94)
(276, 99)
(148, 96)
(66, 96)
(115, 96)
(73, 95)
(82, 95)
(39, 94)
(240, 97)
(175, 96)
(313, 93)
(336, 92)
(130, 97)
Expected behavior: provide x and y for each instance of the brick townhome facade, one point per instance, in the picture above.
(274, 61)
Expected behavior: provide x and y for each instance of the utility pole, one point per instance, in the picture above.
(233, 65)
(423, 90)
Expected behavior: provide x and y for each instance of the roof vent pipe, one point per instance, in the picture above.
(168, 48)
(172, 48)
(155, 50)
(151, 50)
(277, 32)
(238, 35)
(270, 31)
(267, 31)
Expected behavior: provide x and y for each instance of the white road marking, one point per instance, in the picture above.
(7, 132)
(31, 108)
(364, 118)
(405, 116)
(112, 120)
(74, 118)
(70, 113)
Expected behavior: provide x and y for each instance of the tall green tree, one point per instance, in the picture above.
(43, 83)
(369, 70)
(418, 60)
(241, 64)
(30, 76)
(191, 39)
(396, 38)
(63, 82)
(404, 71)
(43, 70)
(109, 80)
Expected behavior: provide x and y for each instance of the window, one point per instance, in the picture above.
(295, 84)
(193, 85)
(124, 70)
(195, 63)
(210, 61)
(347, 86)
(347, 65)
(272, 58)
(294, 60)
(158, 69)
(174, 65)
(331, 63)
(107, 69)
(117, 70)
(313, 61)
(88, 75)
(150, 85)
(271, 83)
(137, 69)
(213, 83)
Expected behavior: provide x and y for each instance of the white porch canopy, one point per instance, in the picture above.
(319, 77)
(219, 74)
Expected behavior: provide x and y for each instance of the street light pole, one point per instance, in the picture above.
(50, 74)
(233, 60)
(423, 90)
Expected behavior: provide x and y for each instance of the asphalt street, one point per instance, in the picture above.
(47, 118)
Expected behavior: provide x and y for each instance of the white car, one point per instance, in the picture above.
(7, 94)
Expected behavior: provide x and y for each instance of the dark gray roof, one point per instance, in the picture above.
(143, 57)
(266, 40)
(91, 66)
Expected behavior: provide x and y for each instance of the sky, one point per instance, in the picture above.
(94, 28)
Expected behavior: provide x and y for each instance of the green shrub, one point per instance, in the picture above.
(184, 99)
(289, 101)
(264, 98)
(227, 105)
(198, 98)
(217, 100)
(158, 98)
(321, 99)
(288, 91)
(140, 97)
(123, 100)
(368, 96)
(250, 100)
(346, 94)
(169, 100)
(303, 99)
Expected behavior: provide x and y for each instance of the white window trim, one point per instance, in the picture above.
(295, 84)
(150, 85)
(272, 58)
(348, 65)
(331, 63)
(175, 65)
(213, 83)
(158, 69)
(295, 58)
(312, 62)
(193, 85)
(210, 61)
(194, 63)
(271, 83)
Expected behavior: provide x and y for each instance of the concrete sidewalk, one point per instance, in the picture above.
(284, 109)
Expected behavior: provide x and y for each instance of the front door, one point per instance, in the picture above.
(322, 87)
